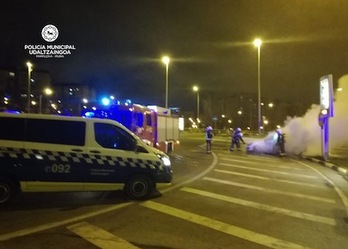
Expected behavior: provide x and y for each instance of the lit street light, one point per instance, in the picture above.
(257, 43)
(29, 65)
(84, 102)
(196, 89)
(47, 91)
(166, 60)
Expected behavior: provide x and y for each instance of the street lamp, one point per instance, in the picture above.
(47, 91)
(166, 60)
(84, 102)
(196, 89)
(257, 43)
(29, 65)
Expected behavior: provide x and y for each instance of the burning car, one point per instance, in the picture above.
(268, 145)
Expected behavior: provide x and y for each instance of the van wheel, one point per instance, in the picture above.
(139, 187)
(8, 191)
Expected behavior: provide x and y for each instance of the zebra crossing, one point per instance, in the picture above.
(245, 173)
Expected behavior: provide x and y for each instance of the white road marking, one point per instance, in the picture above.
(241, 161)
(337, 189)
(253, 158)
(223, 227)
(46, 226)
(274, 191)
(264, 164)
(196, 177)
(268, 171)
(267, 178)
(268, 208)
(100, 237)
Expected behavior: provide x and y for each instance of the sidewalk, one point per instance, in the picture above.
(339, 164)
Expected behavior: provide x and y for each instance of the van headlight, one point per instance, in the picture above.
(165, 159)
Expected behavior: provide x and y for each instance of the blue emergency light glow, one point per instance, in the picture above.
(12, 112)
(89, 114)
(106, 101)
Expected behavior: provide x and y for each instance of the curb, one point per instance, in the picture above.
(341, 170)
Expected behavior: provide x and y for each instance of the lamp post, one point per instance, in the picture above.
(84, 102)
(47, 91)
(257, 43)
(29, 65)
(166, 60)
(196, 89)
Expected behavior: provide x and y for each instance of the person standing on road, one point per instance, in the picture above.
(209, 137)
(237, 137)
(281, 142)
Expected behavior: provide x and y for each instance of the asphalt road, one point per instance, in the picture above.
(219, 200)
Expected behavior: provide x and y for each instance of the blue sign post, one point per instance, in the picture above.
(326, 112)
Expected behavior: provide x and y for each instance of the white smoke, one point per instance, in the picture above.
(303, 134)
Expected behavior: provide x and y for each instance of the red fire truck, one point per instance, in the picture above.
(155, 125)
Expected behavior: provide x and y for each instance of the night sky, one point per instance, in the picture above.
(119, 45)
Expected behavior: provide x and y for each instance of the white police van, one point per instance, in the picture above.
(48, 153)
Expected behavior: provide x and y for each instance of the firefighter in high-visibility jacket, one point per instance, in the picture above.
(237, 137)
(281, 142)
(209, 138)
